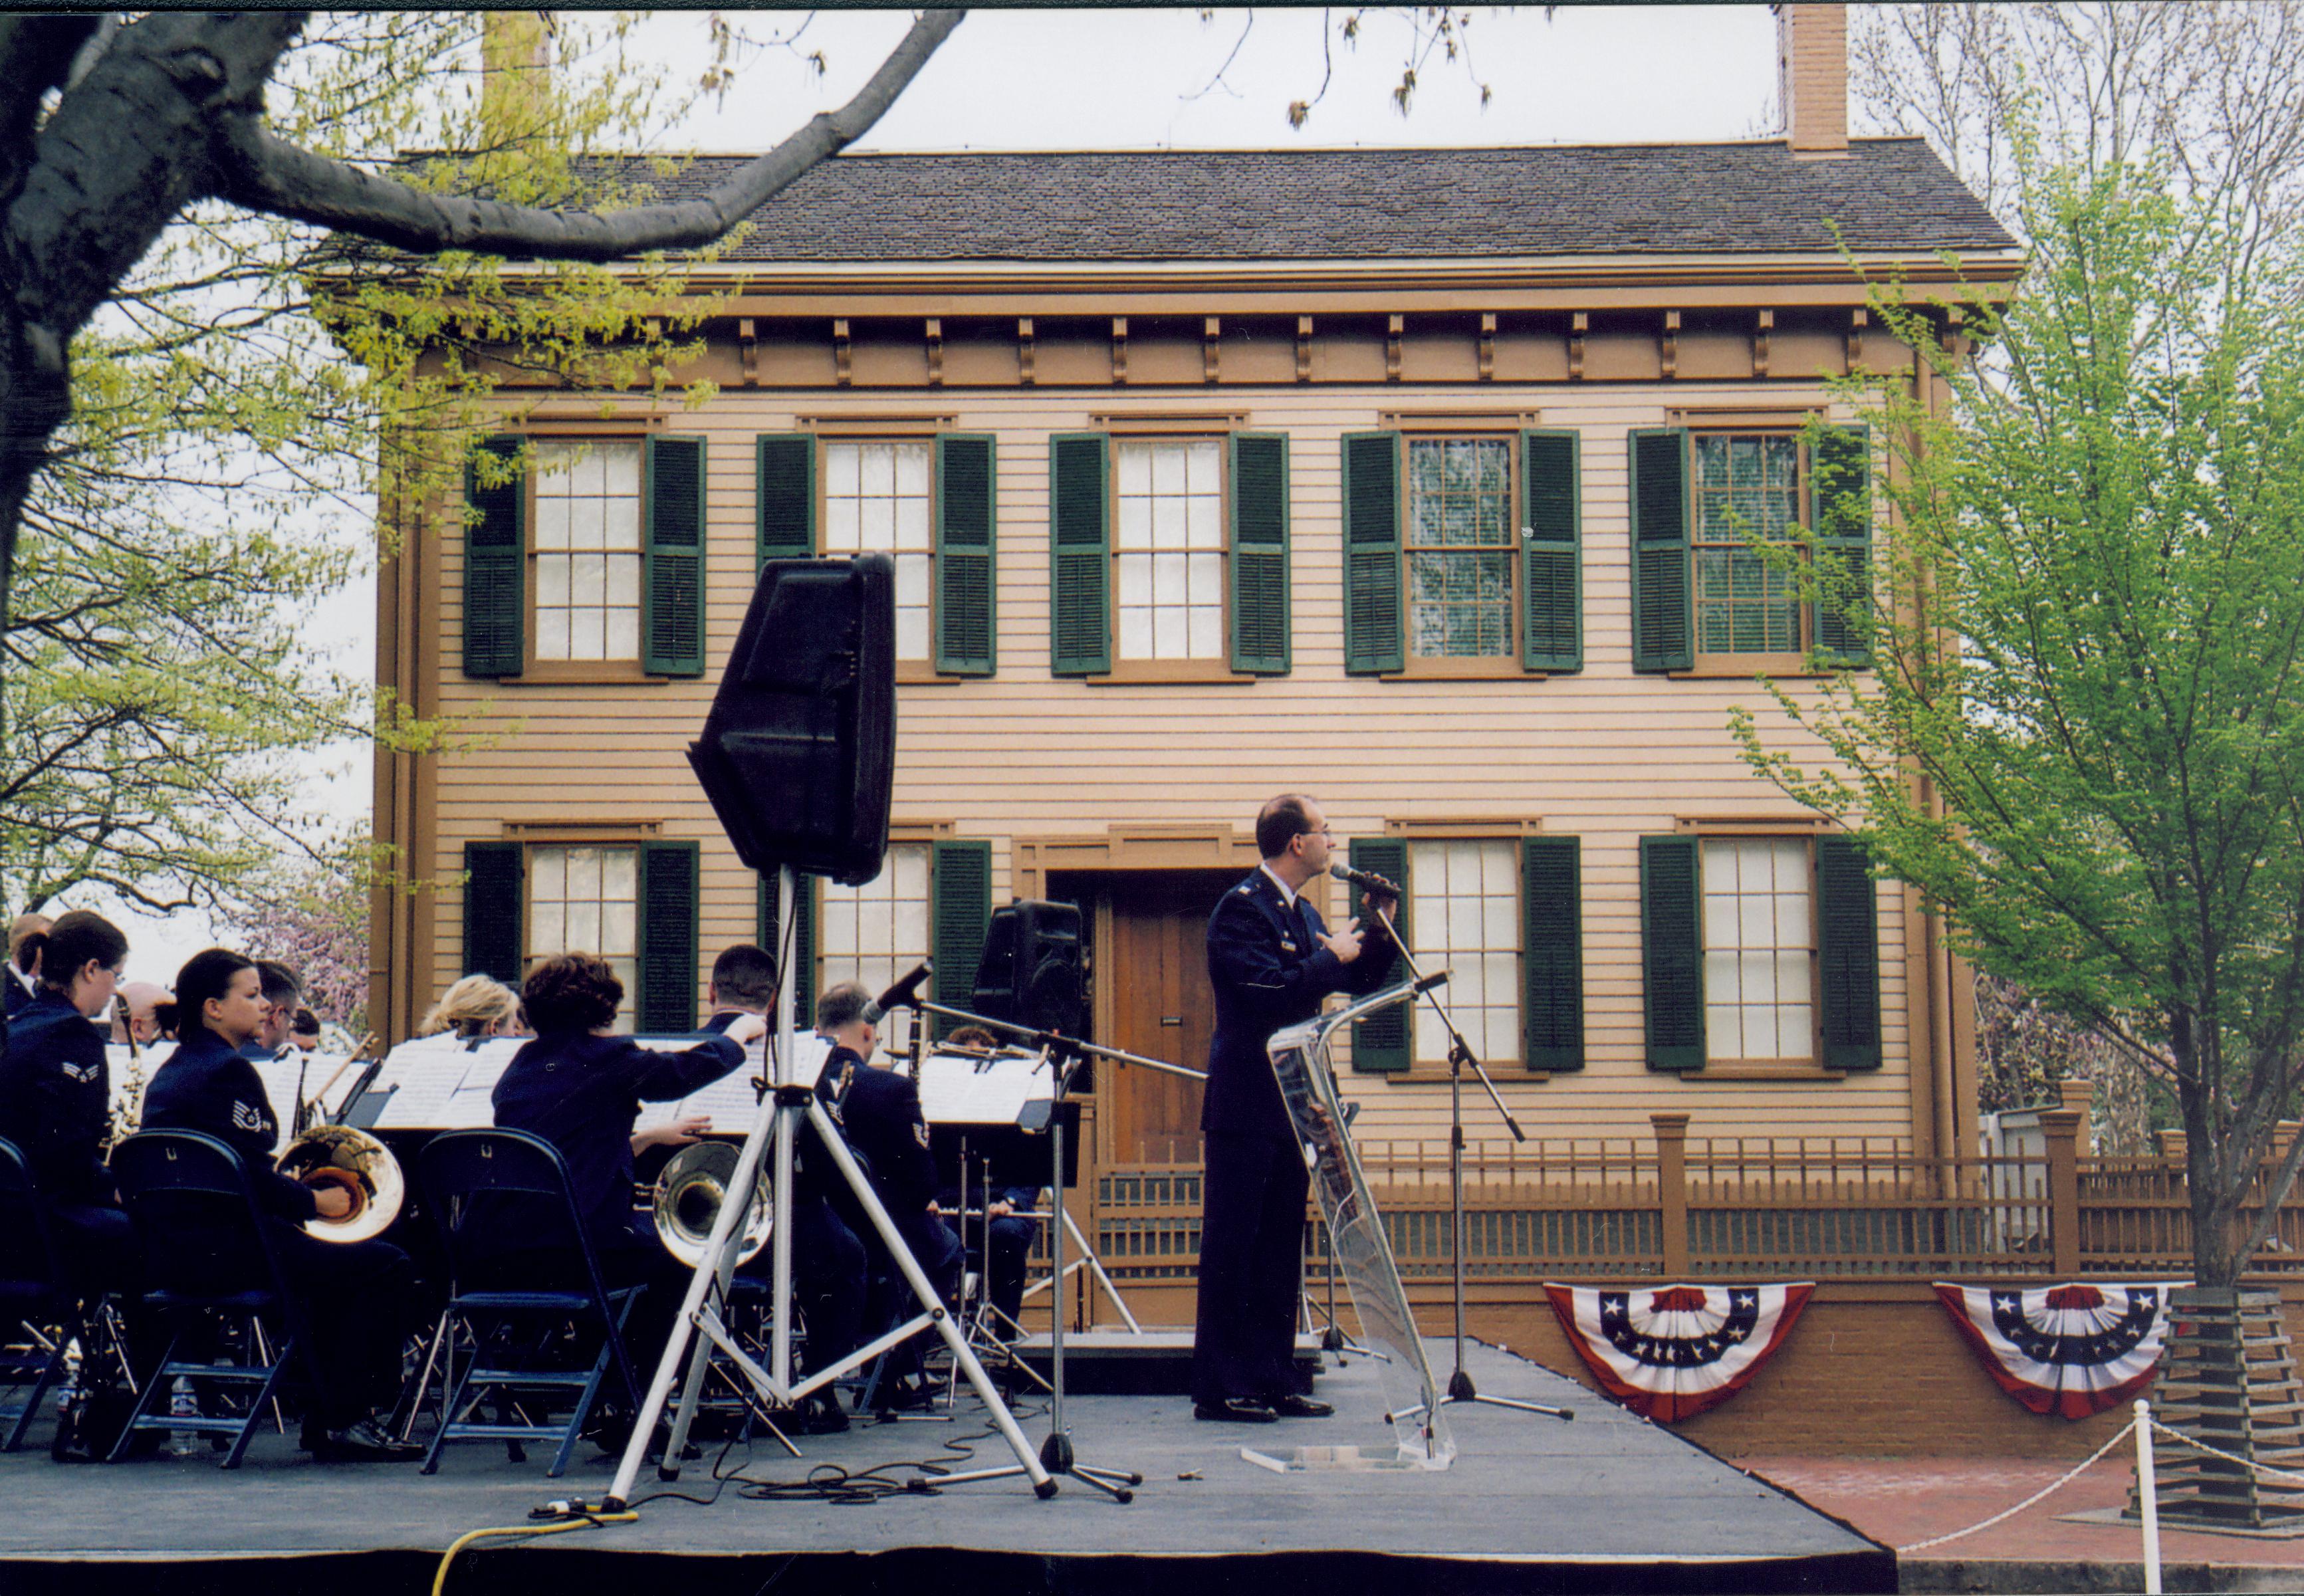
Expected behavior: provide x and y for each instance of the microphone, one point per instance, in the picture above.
(899, 996)
(1366, 880)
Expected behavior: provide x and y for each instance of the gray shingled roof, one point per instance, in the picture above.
(1891, 194)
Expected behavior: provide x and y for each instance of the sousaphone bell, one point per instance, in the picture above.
(348, 1159)
(688, 1198)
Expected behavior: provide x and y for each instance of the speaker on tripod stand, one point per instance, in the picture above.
(1034, 967)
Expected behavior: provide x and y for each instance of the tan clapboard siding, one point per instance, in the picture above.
(1605, 755)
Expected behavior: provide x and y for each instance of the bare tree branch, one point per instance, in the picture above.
(267, 174)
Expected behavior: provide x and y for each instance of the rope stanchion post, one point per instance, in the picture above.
(2148, 1497)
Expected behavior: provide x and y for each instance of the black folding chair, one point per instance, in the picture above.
(209, 1257)
(509, 1308)
(33, 1294)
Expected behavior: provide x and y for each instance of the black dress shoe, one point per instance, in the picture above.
(1292, 1406)
(363, 1441)
(1235, 1410)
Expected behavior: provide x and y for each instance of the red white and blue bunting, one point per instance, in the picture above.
(1670, 1352)
(2075, 1349)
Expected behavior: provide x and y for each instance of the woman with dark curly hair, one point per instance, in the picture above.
(580, 1087)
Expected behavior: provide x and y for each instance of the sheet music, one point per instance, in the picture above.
(425, 1075)
(962, 1089)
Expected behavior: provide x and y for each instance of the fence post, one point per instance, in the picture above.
(1672, 1190)
(2062, 1128)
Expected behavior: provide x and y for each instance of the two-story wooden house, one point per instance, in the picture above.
(1411, 479)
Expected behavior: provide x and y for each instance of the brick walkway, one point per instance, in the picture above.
(1897, 1501)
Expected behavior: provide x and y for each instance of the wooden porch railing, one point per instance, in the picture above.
(1670, 1206)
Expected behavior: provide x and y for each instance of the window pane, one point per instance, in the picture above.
(912, 470)
(876, 528)
(1757, 954)
(1467, 895)
(841, 471)
(551, 523)
(840, 526)
(586, 524)
(622, 520)
(876, 470)
(588, 634)
(1204, 469)
(622, 638)
(1136, 522)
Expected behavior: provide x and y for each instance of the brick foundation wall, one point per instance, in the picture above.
(1870, 1371)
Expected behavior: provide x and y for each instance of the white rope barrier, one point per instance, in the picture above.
(2039, 1496)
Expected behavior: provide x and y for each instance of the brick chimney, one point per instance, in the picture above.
(1812, 77)
(515, 74)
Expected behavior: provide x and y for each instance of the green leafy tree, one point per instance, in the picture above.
(191, 456)
(2084, 740)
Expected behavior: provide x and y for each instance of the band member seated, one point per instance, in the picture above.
(356, 1295)
(23, 981)
(580, 1087)
(55, 1098)
(1008, 1237)
(282, 991)
(827, 1261)
(474, 1009)
(1272, 961)
(880, 1111)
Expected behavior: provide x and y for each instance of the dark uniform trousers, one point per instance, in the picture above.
(1269, 971)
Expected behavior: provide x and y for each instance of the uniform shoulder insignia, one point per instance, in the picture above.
(248, 1117)
(920, 1132)
(83, 1073)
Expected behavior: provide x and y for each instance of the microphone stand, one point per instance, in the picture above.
(1460, 1388)
(1058, 1051)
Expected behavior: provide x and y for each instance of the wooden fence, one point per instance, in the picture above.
(1670, 1207)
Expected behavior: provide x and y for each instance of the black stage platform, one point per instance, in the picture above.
(1606, 1504)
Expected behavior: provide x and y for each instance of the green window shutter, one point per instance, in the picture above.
(1839, 512)
(965, 590)
(961, 874)
(1552, 562)
(494, 881)
(1672, 948)
(1385, 1042)
(1079, 559)
(495, 568)
(786, 478)
(675, 567)
(803, 952)
(1260, 553)
(1847, 946)
(1372, 625)
(1660, 578)
(666, 1000)
(1551, 951)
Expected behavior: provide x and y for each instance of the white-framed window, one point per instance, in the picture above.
(878, 932)
(879, 499)
(1466, 894)
(585, 555)
(1759, 950)
(1460, 546)
(584, 897)
(1746, 484)
(1168, 550)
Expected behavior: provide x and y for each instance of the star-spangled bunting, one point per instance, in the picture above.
(2075, 1349)
(1670, 1352)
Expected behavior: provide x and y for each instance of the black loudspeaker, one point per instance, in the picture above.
(798, 753)
(1032, 971)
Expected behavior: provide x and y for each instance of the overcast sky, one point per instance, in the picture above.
(1106, 79)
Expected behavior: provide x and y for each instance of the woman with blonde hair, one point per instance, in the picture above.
(475, 1008)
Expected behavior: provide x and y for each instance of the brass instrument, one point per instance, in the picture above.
(348, 1159)
(688, 1198)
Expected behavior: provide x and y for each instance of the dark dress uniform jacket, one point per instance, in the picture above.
(581, 1092)
(1269, 971)
(206, 1086)
(880, 1112)
(55, 1094)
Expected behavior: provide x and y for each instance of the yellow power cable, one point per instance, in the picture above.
(589, 1521)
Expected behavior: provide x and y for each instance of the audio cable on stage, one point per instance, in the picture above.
(557, 1519)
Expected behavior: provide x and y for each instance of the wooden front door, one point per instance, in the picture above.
(1162, 1007)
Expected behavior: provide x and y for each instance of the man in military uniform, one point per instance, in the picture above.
(879, 1110)
(1272, 961)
